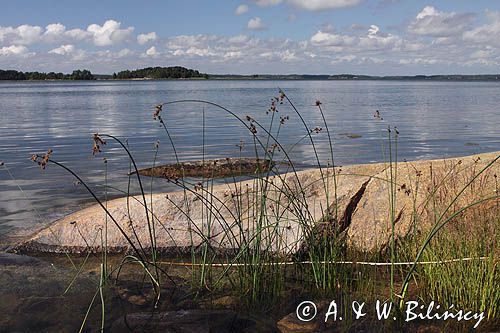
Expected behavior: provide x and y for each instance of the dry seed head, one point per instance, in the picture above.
(282, 95)
(376, 115)
(42, 161)
(283, 119)
(156, 113)
(97, 142)
(253, 129)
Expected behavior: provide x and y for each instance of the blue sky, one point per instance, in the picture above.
(378, 37)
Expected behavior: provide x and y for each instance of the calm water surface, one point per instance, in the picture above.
(435, 119)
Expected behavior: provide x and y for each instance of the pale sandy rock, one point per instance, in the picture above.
(422, 191)
(227, 216)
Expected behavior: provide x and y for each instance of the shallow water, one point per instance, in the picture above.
(435, 119)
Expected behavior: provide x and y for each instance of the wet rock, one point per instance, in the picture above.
(135, 294)
(33, 298)
(142, 294)
(10, 259)
(292, 324)
(219, 168)
(185, 321)
(226, 302)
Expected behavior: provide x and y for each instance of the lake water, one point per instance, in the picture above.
(435, 119)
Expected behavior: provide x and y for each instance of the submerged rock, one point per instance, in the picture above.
(291, 323)
(187, 321)
(11, 259)
(33, 297)
(227, 217)
(218, 168)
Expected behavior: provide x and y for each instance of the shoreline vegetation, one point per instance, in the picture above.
(182, 73)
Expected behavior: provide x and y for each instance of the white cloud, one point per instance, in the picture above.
(486, 34)
(78, 34)
(233, 55)
(28, 34)
(54, 28)
(345, 58)
(146, 38)
(14, 50)
(319, 5)
(267, 3)
(373, 41)
(256, 24)
(124, 53)
(373, 30)
(482, 54)
(239, 39)
(311, 5)
(431, 22)
(69, 50)
(63, 49)
(183, 41)
(241, 9)
(24, 34)
(332, 39)
(200, 52)
(288, 55)
(152, 52)
(109, 33)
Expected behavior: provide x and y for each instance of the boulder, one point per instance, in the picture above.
(218, 168)
(278, 212)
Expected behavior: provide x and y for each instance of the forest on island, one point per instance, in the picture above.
(176, 72)
(22, 76)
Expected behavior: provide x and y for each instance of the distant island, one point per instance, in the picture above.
(178, 72)
(13, 75)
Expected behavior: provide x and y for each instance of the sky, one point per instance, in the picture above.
(373, 37)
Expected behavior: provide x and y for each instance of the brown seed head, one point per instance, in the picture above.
(97, 142)
(253, 129)
(156, 113)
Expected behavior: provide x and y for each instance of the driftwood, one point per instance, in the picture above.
(218, 168)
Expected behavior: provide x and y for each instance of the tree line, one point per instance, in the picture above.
(176, 72)
(21, 76)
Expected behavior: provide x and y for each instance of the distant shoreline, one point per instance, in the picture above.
(494, 78)
(182, 73)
